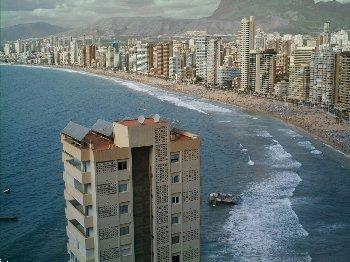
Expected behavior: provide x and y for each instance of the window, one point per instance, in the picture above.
(174, 158)
(124, 230)
(175, 179)
(125, 251)
(175, 239)
(175, 199)
(123, 187)
(175, 219)
(122, 165)
(123, 209)
(175, 258)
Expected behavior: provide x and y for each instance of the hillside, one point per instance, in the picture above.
(287, 15)
(30, 30)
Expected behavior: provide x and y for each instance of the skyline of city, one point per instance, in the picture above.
(243, 152)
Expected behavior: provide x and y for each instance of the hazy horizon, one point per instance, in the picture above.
(75, 13)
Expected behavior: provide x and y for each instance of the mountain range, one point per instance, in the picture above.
(285, 16)
(29, 30)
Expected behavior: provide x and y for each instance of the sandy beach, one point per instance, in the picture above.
(313, 121)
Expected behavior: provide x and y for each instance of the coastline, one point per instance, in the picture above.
(312, 121)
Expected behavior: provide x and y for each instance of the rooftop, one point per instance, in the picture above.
(135, 122)
(100, 136)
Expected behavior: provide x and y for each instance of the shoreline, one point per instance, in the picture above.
(311, 121)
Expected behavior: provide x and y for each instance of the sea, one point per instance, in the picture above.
(295, 190)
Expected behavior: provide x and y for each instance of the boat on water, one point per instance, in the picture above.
(221, 198)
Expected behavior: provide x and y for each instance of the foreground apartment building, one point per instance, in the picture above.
(132, 191)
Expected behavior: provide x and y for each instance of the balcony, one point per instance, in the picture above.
(76, 211)
(82, 154)
(83, 198)
(77, 230)
(75, 171)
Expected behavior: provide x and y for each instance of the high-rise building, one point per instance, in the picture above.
(132, 191)
(161, 54)
(246, 45)
(342, 80)
(174, 66)
(201, 44)
(326, 36)
(299, 73)
(142, 58)
(18, 46)
(110, 57)
(213, 61)
(7, 49)
(322, 77)
(73, 52)
(262, 71)
(117, 63)
(90, 55)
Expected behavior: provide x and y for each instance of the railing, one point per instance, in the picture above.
(75, 211)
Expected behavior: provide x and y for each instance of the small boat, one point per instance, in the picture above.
(220, 198)
(7, 191)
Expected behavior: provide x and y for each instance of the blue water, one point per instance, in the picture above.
(296, 197)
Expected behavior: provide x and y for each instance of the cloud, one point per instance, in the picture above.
(71, 13)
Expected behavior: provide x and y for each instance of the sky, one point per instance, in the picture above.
(71, 13)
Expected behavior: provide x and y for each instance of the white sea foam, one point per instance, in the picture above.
(264, 224)
(251, 163)
(290, 133)
(244, 150)
(263, 133)
(280, 158)
(306, 144)
(316, 152)
(199, 105)
(223, 121)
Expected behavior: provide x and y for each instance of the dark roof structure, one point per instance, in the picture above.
(103, 127)
(75, 131)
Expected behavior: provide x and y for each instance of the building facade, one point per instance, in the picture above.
(322, 77)
(299, 75)
(132, 191)
(342, 80)
(213, 61)
(246, 45)
(262, 71)
(201, 44)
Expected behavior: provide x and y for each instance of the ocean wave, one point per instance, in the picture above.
(263, 133)
(200, 105)
(316, 152)
(280, 158)
(264, 224)
(290, 133)
(306, 144)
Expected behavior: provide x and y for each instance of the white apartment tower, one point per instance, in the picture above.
(246, 45)
(213, 61)
(201, 56)
(322, 77)
(142, 58)
(73, 52)
(18, 46)
(132, 190)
